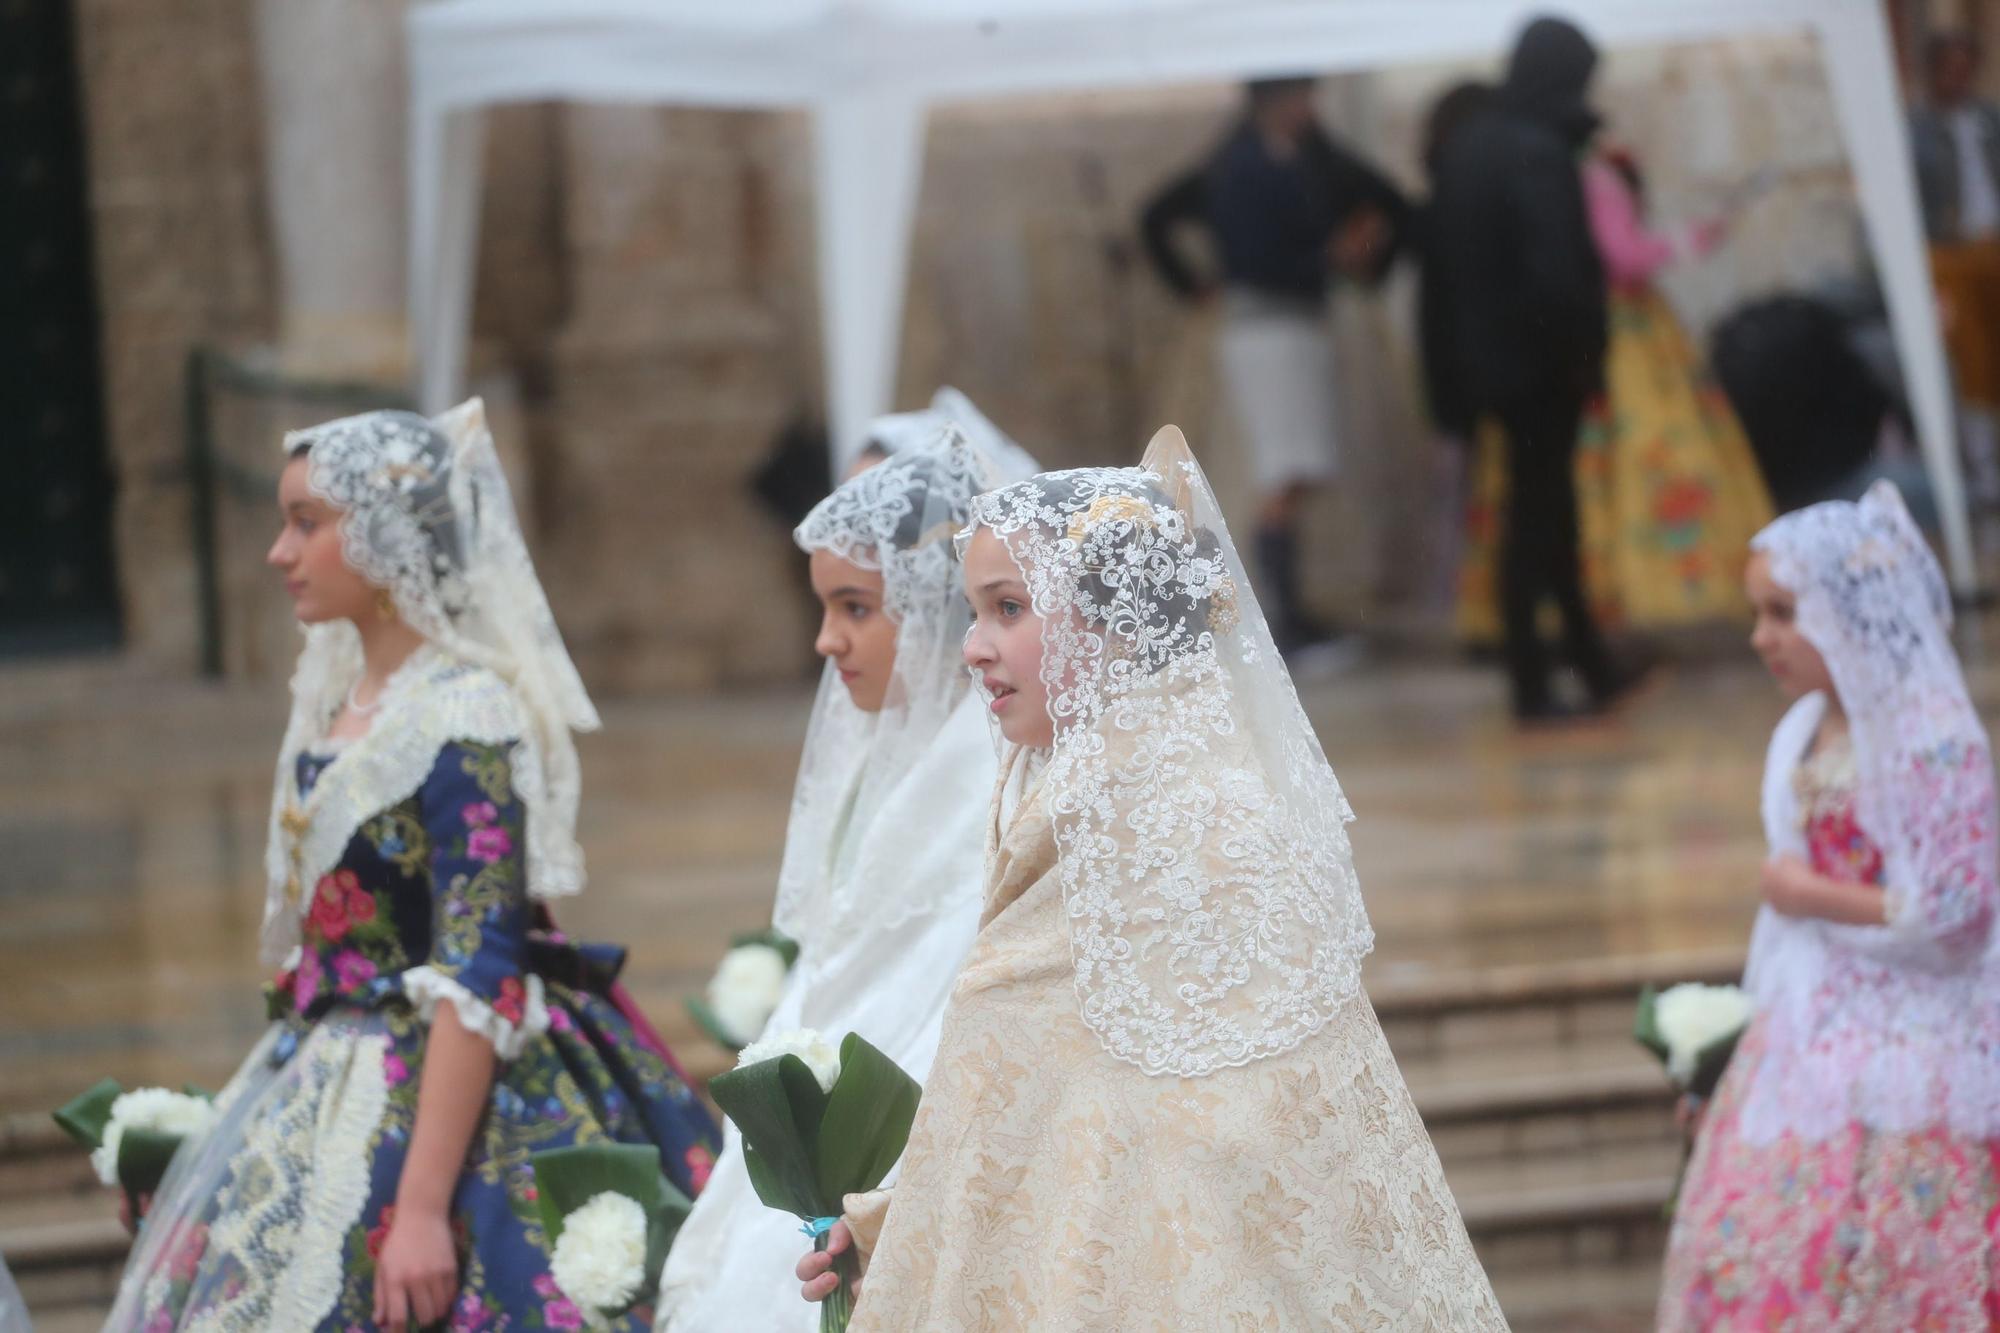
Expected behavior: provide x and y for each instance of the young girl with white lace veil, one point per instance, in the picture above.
(1847, 1175)
(1161, 1098)
(369, 1166)
(883, 857)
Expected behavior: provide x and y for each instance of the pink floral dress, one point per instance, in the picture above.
(1857, 1231)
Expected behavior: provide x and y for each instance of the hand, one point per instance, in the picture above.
(1358, 245)
(416, 1276)
(1689, 1112)
(1790, 886)
(127, 1218)
(1709, 235)
(815, 1270)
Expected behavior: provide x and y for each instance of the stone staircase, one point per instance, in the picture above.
(1556, 1134)
(1556, 1131)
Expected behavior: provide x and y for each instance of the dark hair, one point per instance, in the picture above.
(1263, 92)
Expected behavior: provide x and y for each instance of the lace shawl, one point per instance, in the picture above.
(1897, 1025)
(1215, 916)
(426, 514)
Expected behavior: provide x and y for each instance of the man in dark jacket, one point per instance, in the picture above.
(1289, 211)
(1525, 333)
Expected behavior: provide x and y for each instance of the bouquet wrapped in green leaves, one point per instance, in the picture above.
(133, 1136)
(818, 1125)
(611, 1215)
(1693, 1029)
(745, 988)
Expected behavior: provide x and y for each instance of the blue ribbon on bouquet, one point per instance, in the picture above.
(818, 1227)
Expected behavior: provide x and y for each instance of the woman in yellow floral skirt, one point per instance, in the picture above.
(1668, 492)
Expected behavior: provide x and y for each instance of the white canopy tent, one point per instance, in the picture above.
(868, 69)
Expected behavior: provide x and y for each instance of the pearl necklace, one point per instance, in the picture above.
(355, 705)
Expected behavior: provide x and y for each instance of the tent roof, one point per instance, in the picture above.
(794, 52)
(868, 69)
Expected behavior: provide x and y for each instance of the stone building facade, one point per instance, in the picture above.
(646, 318)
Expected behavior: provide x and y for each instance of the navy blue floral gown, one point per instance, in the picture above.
(274, 1220)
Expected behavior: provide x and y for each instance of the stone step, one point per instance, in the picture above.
(1581, 1298)
(1523, 1102)
(1579, 1210)
(65, 1251)
(1425, 1012)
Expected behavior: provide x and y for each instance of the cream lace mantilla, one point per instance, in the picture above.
(1215, 917)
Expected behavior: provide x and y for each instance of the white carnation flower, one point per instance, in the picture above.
(809, 1046)
(745, 990)
(1693, 1017)
(600, 1258)
(159, 1109)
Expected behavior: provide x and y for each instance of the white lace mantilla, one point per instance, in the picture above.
(1215, 916)
(425, 986)
(862, 772)
(431, 701)
(426, 515)
(1895, 1026)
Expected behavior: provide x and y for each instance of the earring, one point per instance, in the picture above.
(385, 605)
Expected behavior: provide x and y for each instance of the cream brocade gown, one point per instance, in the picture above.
(1048, 1185)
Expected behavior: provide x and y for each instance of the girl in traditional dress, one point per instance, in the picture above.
(369, 1166)
(1847, 1175)
(1668, 490)
(880, 884)
(1161, 1098)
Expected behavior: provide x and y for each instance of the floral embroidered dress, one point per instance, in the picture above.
(407, 866)
(298, 1187)
(1847, 1175)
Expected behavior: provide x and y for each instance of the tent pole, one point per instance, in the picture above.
(446, 148)
(868, 154)
(1858, 53)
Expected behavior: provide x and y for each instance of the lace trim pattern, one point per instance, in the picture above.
(431, 701)
(897, 764)
(1215, 917)
(426, 514)
(300, 1182)
(425, 986)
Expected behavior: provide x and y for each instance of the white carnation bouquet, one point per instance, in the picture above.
(1693, 1029)
(610, 1214)
(745, 988)
(133, 1136)
(818, 1124)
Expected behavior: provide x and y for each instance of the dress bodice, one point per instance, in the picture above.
(429, 889)
(1826, 784)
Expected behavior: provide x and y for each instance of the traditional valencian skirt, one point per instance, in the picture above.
(1668, 491)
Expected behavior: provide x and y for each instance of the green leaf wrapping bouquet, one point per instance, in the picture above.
(818, 1125)
(133, 1136)
(611, 1215)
